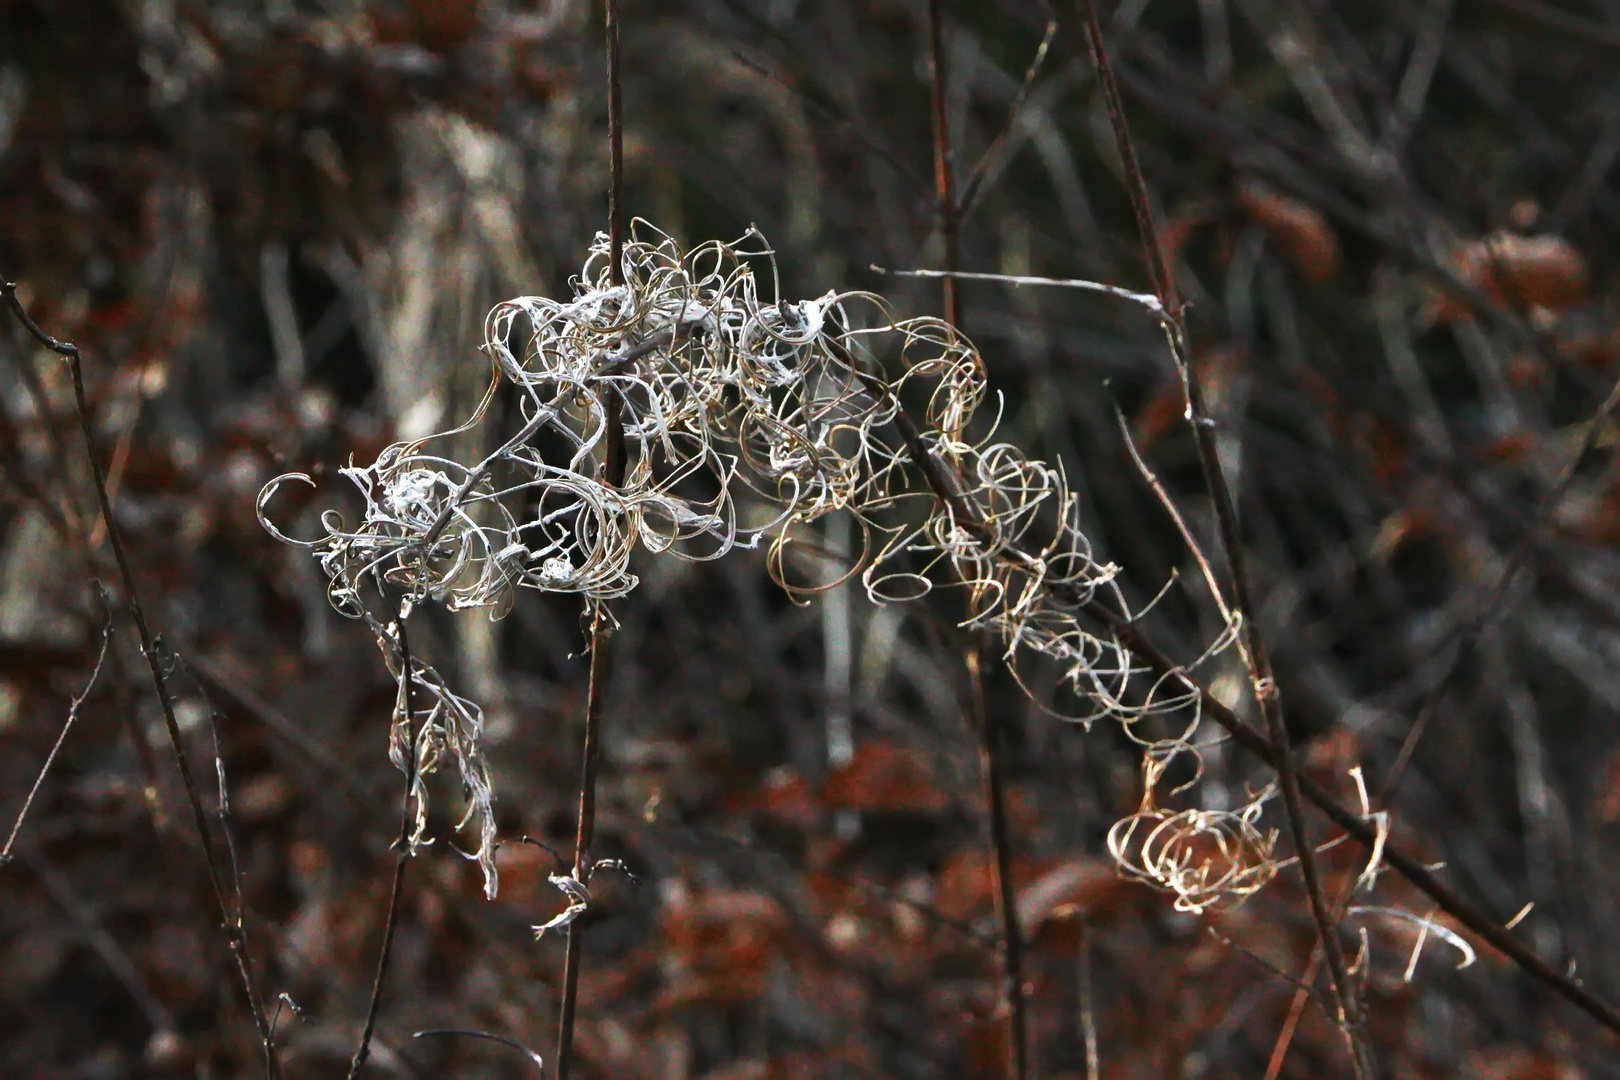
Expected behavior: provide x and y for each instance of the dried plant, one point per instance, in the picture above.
(1205, 857)
(747, 418)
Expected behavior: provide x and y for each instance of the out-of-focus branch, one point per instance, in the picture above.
(233, 920)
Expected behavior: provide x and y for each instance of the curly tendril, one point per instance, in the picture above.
(746, 417)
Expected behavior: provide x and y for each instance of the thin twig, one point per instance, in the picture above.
(945, 200)
(970, 190)
(73, 714)
(539, 1062)
(1300, 984)
(601, 632)
(601, 622)
(233, 921)
(1252, 645)
(1012, 936)
(1467, 638)
(1088, 1016)
(1170, 508)
(1362, 829)
(967, 930)
(1147, 300)
(403, 857)
(1305, 993)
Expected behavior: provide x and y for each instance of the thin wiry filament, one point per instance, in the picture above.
(746, 417)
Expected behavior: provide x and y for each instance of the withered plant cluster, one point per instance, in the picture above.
(1216, 494)
(748, 418)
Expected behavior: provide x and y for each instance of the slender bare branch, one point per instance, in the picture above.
(946, 487)
(403, 844)
(993, 768)
(1252, 645)
(233, 920)
(73, 714)
(945, 200)
(601, 621)
(971, 190)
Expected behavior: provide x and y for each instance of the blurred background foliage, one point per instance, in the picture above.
(275, 229)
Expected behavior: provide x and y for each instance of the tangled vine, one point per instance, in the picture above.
(747, 417)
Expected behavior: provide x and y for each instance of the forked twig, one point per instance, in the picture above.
(233, 921)
(1252, 646)
(73, 714)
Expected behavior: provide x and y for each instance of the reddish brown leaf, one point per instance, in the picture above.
(885, 776)
(1299, 231)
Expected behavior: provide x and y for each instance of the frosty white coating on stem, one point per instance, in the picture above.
(746, 416)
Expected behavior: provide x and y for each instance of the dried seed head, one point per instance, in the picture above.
(731, 398)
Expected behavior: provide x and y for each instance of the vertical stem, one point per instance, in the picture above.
(942, 160)
(600, 663)
(1012, 935)
(363, 1051)
(1012, 943)
(615, 416)
(1250, 643)
(600, 620)
(615, 147)
(1088, 1016)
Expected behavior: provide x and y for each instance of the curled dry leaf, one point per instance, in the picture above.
(579, 901)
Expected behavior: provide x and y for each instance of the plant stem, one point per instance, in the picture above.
(1012, 940)
(402, 859)
(946, 486)
(1251, 644)
(586, 834)
(942, 159)
(993, 767)
(601, 622)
